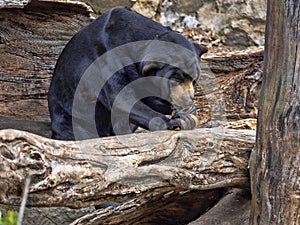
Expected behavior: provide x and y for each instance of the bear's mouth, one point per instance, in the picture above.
(181, 95)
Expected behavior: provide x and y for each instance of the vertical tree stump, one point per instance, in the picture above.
(275, 166)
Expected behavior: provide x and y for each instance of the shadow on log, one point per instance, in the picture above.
(173, 207)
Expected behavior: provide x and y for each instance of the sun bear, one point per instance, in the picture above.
(121, 72)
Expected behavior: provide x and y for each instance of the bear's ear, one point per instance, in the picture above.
(149, 68)
(200, 49)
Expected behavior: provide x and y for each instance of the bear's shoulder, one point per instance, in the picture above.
(122, 20)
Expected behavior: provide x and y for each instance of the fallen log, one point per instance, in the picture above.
(83, 173)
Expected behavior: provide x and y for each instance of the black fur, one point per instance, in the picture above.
(115, 28)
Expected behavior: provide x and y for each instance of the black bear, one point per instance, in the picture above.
(121, 72)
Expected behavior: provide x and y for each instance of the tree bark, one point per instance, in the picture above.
(275, 165)
(31, 40)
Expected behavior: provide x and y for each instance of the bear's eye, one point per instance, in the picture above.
(177, 75)
(181, 77)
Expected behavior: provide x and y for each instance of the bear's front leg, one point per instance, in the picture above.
(145, 117)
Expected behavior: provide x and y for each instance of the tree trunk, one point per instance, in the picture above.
(275, 165)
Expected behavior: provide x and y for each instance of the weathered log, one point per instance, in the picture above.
(79, 174)
(13, 3)
(177, 207)
(35, 127)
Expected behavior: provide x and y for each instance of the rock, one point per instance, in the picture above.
(233, 208)
(48, 215)
(188, 7)
(237, 23)
(101, 6)
(147, 8)
(244, 22)
(170, 16)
